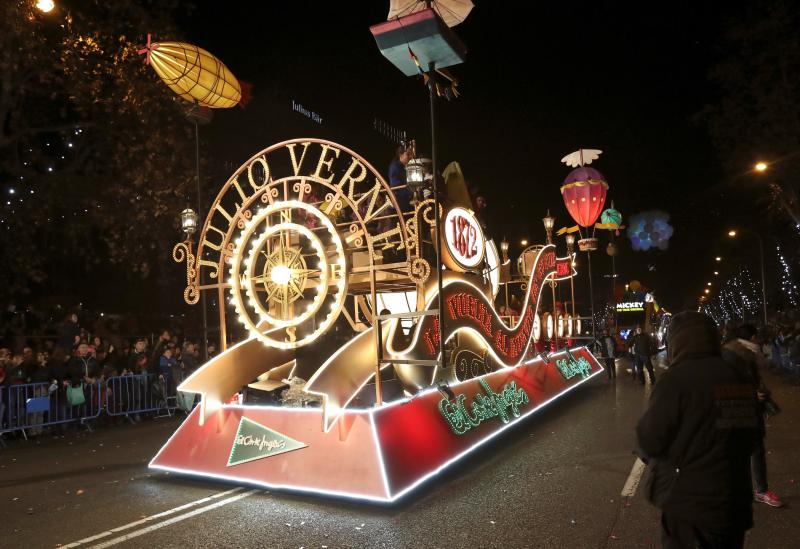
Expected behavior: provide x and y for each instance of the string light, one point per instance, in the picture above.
(738, 298)
(788, 286)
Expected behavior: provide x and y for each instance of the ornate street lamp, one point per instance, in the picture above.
(570, 238)
(504, 249)
(188, 222)
(549, 221)
(189, 227)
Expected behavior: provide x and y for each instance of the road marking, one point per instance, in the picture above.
(173, 520)
(151, 518)
(633, 479)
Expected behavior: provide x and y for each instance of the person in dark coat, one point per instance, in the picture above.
(642, 347)
(697, 435)
(743, 350)
(607, 347)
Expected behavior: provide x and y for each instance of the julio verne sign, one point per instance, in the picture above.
(254, 441)
(503, 405)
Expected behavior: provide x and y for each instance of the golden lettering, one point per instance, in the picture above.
(291, 334)
(350, 180)
(212, 245)
(295, 164)
(264, 166)
(373, 195)
(225, 214)
(326, 162)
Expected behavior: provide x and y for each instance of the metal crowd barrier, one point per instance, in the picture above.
(145, 393)
(32, 406)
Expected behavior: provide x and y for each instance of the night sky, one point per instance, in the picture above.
(541, 80)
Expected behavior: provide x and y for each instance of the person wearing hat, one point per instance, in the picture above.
(696, 436)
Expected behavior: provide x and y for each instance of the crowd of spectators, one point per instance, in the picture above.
(779, 341)
(71, 356)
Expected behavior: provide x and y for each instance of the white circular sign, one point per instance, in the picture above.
(464, 237)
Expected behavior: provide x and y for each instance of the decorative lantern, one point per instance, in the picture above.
(612, 249)
(188, 221)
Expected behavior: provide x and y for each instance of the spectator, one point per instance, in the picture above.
(158, 350)
(397, 175)
(744, 352)
(137, 361)
(166, 364)
(607, 347)
(697, 435)
(83, 369)
(642, 346)
(188, 358)
(68, 331)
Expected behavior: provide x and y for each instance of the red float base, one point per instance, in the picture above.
(376, 454)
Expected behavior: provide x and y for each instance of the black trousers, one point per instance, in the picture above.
(758, 466)
(639, 362)
(679, 534)
(611, 367)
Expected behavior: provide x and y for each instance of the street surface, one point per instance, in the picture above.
(553, 481)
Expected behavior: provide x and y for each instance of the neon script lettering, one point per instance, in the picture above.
(571, 367)
(504, 405)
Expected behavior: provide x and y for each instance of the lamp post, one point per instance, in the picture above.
(189, 221)
(732, 234)
(415, 176)
(570, 238)
(549, 221)
(504, 251)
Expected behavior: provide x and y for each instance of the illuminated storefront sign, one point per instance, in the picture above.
(484, 407)
(464, 238)
(571, 367)
(630, 306)
(254, 441)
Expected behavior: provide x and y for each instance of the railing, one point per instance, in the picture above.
(33, 406)
(36, 405)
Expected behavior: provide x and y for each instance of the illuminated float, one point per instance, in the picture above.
(333, 285)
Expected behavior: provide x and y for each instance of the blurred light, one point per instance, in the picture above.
(707, 291)
(761, 166)
(11, 191)
(524, 242)
(281, 274)
(45, 6)
(732, 233)
(708, 283)
(716, 273)
(718, 258)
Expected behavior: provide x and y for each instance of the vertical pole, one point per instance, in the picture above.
(223, 329)
(199, 211)
(591, 292)
(438, 226)
(763, 279)
(555, 315)
(614, 286)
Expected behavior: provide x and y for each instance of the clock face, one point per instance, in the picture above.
(297, 231)
(287, 280)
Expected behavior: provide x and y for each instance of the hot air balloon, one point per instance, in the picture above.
(584, 192)
(194, 74)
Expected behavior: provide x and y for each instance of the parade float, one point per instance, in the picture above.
(370, 351)
(334, 288)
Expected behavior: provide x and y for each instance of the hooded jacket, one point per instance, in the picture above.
(702, 422)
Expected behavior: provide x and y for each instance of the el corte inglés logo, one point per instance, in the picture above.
(254, 441)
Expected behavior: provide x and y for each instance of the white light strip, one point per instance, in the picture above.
(286, 487)
(379, 453)
(366, 497)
